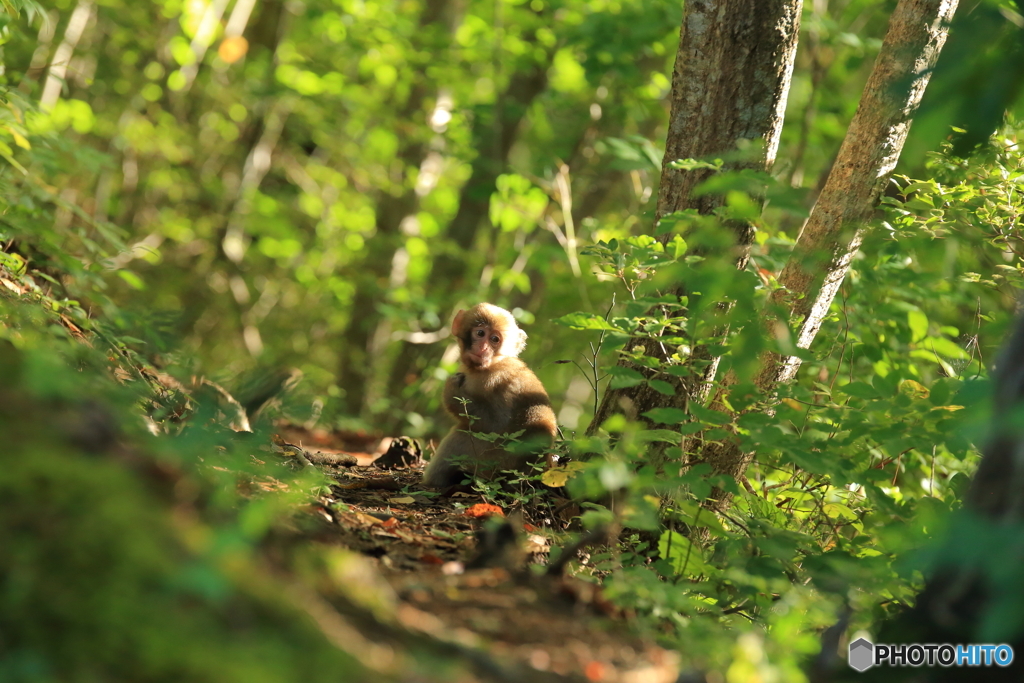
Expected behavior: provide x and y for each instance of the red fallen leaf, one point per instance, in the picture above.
(483, 510)
(431, 559)
(594, 671)
(390, 522)
(529, 527)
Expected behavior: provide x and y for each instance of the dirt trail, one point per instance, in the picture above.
(497, 598)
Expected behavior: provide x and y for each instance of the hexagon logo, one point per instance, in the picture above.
(862, 654)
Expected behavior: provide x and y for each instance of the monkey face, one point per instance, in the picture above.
(486, 334)
(484, 346)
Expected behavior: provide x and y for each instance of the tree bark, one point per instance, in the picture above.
(833, 232)
(730, 82)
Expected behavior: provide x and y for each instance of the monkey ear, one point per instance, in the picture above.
(457, 322)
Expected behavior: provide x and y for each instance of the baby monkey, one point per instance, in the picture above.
(493, 393)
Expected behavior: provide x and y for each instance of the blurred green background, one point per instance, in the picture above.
(233, 188)
(322, 184)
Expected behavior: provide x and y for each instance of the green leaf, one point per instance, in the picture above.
(686, 559)
(133, 280)
(918, 322)
(941, 391)
(754, 421)
(662, 387)
(945, 347)
(716, 434)
(667, 416)
(690, 428)
(663, 435)
(708, 416)
(623, 377)
(694, 515)
(584, 321)
(839, 511)
(678, 246)
(860, 390)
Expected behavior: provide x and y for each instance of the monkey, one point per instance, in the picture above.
(493, 393)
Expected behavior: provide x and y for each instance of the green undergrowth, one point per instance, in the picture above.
(123, 557)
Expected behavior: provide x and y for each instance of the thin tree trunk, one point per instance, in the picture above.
(730, 82)
(41, 55)
(62, 57)
(355, 362)
(867, 157)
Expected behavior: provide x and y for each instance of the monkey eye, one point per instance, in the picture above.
(495, 339)
(480, 333)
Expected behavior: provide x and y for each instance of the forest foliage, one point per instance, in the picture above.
(228, 189)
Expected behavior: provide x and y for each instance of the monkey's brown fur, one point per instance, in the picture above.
(501, 395)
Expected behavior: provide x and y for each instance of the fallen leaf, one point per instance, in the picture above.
(484, 510)
(404, 500)
(365, 519)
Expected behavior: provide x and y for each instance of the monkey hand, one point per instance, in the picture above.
(454, 395)
(453, 386)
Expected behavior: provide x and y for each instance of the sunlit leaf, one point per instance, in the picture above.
(560, 475)
(686, 558)
(918, 322)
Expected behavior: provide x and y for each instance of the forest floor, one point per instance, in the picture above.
(459, 574)
(491, 596)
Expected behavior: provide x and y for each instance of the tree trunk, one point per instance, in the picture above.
(730, 83)
(867, 157)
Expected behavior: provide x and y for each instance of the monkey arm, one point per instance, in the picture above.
(536, 418)
(453, 392)
(470, 411)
